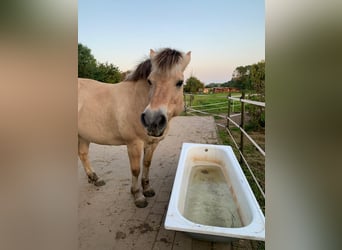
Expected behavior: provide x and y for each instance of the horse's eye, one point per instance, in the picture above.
(149, 81)
(179, 83)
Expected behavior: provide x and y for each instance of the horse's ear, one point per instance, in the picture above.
(186, 59)
(152, 53)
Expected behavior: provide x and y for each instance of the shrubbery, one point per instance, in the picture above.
(88, 67)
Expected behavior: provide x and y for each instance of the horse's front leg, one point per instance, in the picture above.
(134, 153)
(145, 181)
(83, 150)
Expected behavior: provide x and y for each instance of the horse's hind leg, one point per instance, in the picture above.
(83, 150)
(145, 181)
(134, 154)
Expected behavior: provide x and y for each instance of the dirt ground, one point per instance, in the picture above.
(108, 218)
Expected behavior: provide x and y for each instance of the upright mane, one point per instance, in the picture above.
(166, 59)
(163, 61)
(142, 71)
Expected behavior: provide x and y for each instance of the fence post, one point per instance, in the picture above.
(242, 123)
(229, 95)
(184, 98)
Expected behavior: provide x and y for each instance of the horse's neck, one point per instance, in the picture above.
(140, 93)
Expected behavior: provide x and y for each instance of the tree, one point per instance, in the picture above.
(108, 73)
(251, 77)
(257, 77)
(213, 85)
(192, 85)
(88, 67)
(86, 62)
(241, 78)
(227, 84)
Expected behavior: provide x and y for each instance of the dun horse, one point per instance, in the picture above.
(135, 112)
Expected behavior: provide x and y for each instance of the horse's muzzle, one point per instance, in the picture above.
(154, 121)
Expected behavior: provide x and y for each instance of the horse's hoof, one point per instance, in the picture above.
(141, 202)
(149, 192)
(92, 178)
(99, 183)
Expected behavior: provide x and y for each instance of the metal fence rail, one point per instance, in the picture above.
(245, 161)
(210, 104)
(262, 104)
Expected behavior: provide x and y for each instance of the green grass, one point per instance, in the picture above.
(255, 160)
(211, 99)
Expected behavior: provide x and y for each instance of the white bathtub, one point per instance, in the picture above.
(211, 198)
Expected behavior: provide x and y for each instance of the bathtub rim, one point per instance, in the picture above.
(175, 220)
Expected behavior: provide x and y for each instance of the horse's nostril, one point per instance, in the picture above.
(143, 121)
(161, 121)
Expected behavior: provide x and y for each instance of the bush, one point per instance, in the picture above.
(88, 67)
(256, 115)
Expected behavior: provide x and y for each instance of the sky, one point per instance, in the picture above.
(221, 34)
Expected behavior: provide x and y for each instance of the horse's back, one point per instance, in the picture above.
(106, 112)
(92, 92)
(95, 115)
(87, 87)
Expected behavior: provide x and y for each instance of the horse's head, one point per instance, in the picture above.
(166, 89)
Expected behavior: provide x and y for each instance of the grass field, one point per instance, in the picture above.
(255, 160)
(212, 103)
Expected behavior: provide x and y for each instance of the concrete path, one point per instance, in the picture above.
(108, 218)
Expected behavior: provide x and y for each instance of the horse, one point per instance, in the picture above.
(135, 112)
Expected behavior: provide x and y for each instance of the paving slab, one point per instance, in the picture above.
(108, 218)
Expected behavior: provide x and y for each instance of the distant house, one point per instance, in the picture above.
(220, 90)
(216, 90)
(224, 90)
(234, 89)
(206, 90)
